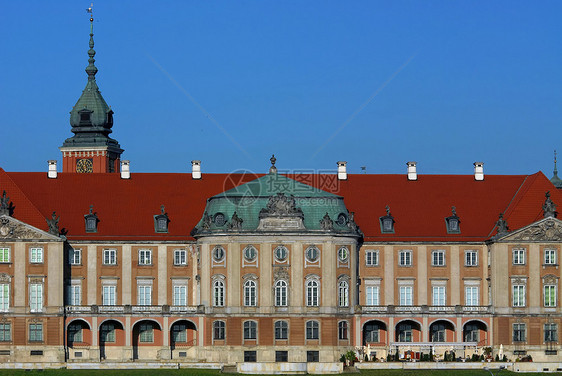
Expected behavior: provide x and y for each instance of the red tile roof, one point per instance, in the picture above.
(126, 207)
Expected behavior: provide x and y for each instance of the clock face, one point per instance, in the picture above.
(84, 165)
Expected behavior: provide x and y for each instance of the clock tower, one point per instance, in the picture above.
(91, 149)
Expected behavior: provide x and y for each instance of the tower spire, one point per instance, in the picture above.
(555, 179)
(91, 68)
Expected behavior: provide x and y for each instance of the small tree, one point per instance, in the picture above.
(431, 355)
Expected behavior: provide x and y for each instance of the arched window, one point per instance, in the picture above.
(281, 293)
(312, 287)
(219, 330)
(312, 330)
(250, 291)
(342, 330)
(218, 293)
(343, 293)
(281, 330)
(250, 330)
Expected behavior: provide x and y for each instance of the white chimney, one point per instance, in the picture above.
(125, 170)
(342, 170)
(52, 173)
(412, 173)
(478, 170)
(196, 170)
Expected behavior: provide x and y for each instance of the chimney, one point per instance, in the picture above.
(196, 170)
(52, 173)
(478, 170)
(125, 170)
(412, 173)
(342, 170)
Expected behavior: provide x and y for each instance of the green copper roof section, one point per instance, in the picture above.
(555, 179)
(271, 184)
(91, 118)
(250, 203)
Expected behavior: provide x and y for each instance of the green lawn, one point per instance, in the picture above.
(204, 372)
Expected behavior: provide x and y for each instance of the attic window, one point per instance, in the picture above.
(453, 223)
(161, 221)
(219, 219)
(85, 116)
(387, 222)
(91, 220)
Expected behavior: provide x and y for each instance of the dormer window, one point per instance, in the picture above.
(85, 116)
(387, 222)
(91, 220)
(161, 221)
(453, 223)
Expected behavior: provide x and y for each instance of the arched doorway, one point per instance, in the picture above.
(374, 332)
(183, 335)
(111, 339)
(475, 331)
(442, 331)
(147, 339)
(408, 331)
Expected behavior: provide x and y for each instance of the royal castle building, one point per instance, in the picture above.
(101, 264)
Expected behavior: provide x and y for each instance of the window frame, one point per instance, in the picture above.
(144, 294)
(552, 301)
(519, 332)
(406, 297)
(343, 293)
(312, 330)
(405, 258)
(35, 332)
(72, 256)
(146, 333)
(5, 255)
(439, 296)
(4, 297)
(145, 257)
(281, 330)
(438, 257)
(109, 257)
(372, 257)
(312, 293)
(219, 330)
(471, 258)
(109, 295)
(372, 297)
(550, 332)
(518, 256)
(250, 330)
(75, 330)
(218, 293)
(179, 298)
(107, 331)
(281, 293)
(36, 255)
(36, 297)
(343, 331)
(469, 297)
(250, 293)
(72, 297)
(6, 332)
(519, 298)
(550, 260)
(182, 253)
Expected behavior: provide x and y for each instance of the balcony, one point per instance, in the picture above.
(131, 309)
(425, 309)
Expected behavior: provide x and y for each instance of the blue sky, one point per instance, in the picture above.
(377, 84)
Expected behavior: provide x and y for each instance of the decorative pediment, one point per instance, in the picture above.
(281, 272)
(546, 230)
(11, 228)
(281, 205)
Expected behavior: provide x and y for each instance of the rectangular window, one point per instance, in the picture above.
(180, 295)
(5, 332)
(35, 332)
(250, 330)
(312, 356)
(144, 296)
(471, 296)
(145, 257)
(519, 256)
(4, 254)
(550, 332)
(250, 356)
(36, 255)
(4, 297)
(550, 256)
(372, 258)
(281, 356)
(36, 297)
(519, 334)
(146, 333)
(550, 295)
(471, 258)
(519, 295)
(405, 258)
(75, 256)
(406, 298)
(372, 295)
(74, 295)
(179, 333)
(109, 295)
(180, 257)
(438, 258)
(109, 256)
(438, 295)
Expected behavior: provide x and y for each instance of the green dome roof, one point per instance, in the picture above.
(247, 208)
